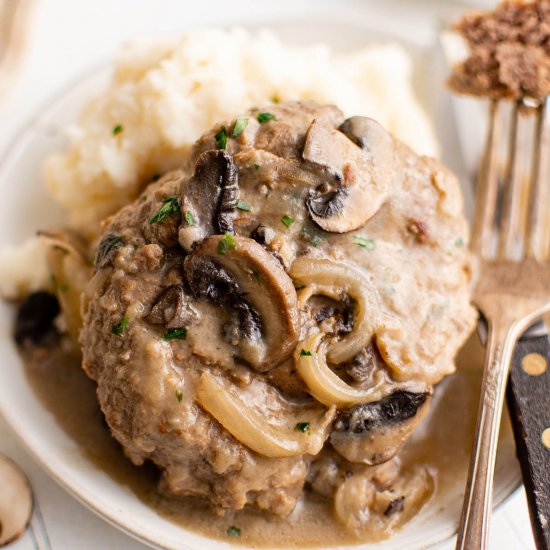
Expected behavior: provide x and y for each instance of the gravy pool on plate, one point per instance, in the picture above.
(268, 323)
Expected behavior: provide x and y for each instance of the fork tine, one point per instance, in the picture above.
(487, 185)
(510, 219)
(534, 240)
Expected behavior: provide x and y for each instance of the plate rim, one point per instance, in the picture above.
(20, 138)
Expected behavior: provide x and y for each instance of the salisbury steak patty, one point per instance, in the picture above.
(292, 243)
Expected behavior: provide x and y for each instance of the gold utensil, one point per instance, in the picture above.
(512, 288)
(14, 16)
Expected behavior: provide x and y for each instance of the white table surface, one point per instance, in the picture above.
(67, 39)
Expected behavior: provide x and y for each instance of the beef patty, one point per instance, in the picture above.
(302, 279)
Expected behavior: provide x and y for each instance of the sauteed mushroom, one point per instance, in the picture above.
(370, 502)
(15, 501)
(372, 433)
(356, 192)
(172, 309)
(209, 198)
(237, 273)
(35, 319)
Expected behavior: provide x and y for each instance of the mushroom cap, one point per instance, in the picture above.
(360, 174)
(209, 198)
(15, 501)
(372, 433)
(247, 279)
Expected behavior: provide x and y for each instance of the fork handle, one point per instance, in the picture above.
(529, 401)
(478, 498)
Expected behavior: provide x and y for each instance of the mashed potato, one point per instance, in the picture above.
(162, 97)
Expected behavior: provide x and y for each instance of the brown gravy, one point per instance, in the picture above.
(442, 442)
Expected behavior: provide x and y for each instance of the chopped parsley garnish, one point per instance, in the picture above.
(221, 138)
(243, 205)
(302, 427)
(257, 166)
(170, 207)
(314, 240)
(118, 329)
(305, 353)
(265, 117)
(117, 129)
(189, 218)
(179, 396)
(287, 220)
(179, 333)
(109, 243)
(240, 125)
(364, 243)
(227, 242)
(459, 243)
(234, 531)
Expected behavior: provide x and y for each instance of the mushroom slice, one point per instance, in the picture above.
(70, 272)
(244, 278)
(373, 433)
(284, 430)
(332, 279)
(15, 501)
(173, 309)
(377, 503)
(356, 195)
(209, 198)
(325, 385)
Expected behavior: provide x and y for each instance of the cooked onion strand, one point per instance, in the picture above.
(326, 386)
(221, 399)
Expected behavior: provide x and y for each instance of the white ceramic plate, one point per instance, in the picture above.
(25, 208)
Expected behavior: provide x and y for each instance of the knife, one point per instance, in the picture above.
(528, 397)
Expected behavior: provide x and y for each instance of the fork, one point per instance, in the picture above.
(512, 288)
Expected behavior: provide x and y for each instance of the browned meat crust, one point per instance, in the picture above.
(509, 51)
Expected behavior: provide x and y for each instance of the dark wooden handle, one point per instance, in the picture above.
(529, 402)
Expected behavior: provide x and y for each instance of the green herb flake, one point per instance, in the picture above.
(305, 353)
(170, 207)
(302, 427)
(189, 218)
(179, 333)
(243, 205)
(117, 129)
(227, 242)
(118, 329)
(239, 127)
(287, 220)
(221, 138)
(112, 243)
(234, 531)
(314, 240)
(265, 117)
(257, 166)
(459, 243)
(364, 243)
(179, 396)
